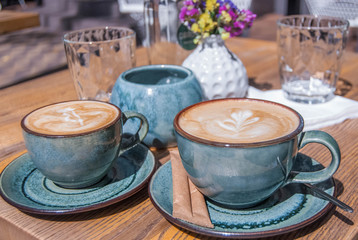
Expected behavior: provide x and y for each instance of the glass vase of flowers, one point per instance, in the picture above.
(220, 72)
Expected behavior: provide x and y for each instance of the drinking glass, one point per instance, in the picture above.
(164, 31)
(310, 53)
(97, 56)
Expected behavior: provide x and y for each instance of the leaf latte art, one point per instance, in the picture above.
(71, 117)
(238, 121)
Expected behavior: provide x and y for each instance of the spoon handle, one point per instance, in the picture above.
(330, 198)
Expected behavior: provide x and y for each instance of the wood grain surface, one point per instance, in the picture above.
(135, 217)
(14, 20)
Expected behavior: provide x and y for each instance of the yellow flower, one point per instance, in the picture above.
(210, 5)
(206, 23)
(225, 35)
(203, 20)
(197, 40)
(205, 35)
(226, 16)
(195, 27)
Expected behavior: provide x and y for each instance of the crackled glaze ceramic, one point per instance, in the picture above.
(82, 159)
(288, 209)
(240, 175)
(158, 92)
(23, 185)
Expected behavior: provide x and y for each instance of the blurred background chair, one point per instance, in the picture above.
(347, 9)
(5, 3)
(242, 4)
(133, 9)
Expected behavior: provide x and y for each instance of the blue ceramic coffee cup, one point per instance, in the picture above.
(238, 152)
(158, 92)
(74, 156)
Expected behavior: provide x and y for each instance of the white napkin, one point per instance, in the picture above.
(315, 115)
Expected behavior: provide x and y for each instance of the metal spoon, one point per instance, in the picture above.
(330, 198)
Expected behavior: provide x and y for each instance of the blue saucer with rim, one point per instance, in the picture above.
(288, 209)
(23, 186)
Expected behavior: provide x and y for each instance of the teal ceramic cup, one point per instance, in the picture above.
(74, 143)
(245, 170)
(158, 92)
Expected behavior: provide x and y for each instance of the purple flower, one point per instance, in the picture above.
(182, 14)
(227, 28)
(239, 25)
(192, 12)
(227, 3)
(233, 15)
(188, 2)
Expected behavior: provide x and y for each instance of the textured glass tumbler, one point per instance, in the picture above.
(161, 19)
(96, 57)
(310, 53)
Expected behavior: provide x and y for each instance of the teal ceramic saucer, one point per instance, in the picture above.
(289, 209)
(24, 187)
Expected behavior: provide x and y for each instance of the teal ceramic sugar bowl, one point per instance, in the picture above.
(158, 92)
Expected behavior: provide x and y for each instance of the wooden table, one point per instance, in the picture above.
(13, 20)
(136, 218)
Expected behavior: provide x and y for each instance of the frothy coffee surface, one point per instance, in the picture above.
(238, 121)
(71, 117)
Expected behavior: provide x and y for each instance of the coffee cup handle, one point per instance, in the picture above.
(138, 137)
(324, 174)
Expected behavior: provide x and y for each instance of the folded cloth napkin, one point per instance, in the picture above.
(315, 115)
(188, 203)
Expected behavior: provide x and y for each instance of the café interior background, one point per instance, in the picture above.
(58, 17)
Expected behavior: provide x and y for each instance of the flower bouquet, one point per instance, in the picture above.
(214, 17)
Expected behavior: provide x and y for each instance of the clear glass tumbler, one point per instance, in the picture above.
(162, 27)
(310, 53)
(97, 56)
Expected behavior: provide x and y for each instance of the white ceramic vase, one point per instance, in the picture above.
(220, 72)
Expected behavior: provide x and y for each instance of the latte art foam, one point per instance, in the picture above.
(238, 121)
(71, 117)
